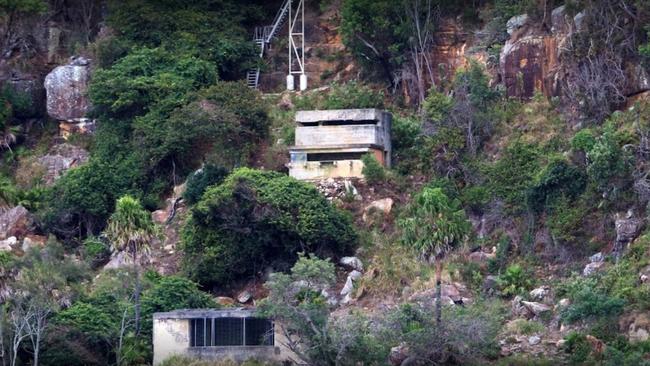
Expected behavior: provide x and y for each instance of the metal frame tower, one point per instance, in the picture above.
(297, 45)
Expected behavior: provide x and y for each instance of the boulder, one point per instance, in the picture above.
(348, 287)
(67, 90)
(8, 244)
(534, 340)
(17, 222)
(352, 262)
(244, 297)
(627, 229)
(536, 308)
(61, 158)
(598, 257)
(480, 257)
(644, 275)
(516, 22)
(592, 268)
(79, 126)
(540, 293)
(160, 216)
(33, 241)
(490, 284)
(383, 205)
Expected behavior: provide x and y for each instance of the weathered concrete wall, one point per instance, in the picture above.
(339, 135)
(314, 170)
(341, 115)
(170, 337)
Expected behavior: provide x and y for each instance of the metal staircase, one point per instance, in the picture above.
(263, 37)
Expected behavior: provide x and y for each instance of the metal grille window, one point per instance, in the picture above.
(207, 332)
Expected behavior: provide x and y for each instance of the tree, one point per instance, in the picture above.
(131, 229)
(256, 219)
(301, 310)
(433, 225)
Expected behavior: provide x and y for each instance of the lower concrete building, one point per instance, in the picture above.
(234, 334)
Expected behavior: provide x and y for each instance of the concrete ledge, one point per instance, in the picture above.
(339, 115)
(206, 313)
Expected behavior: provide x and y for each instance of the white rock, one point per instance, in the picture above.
(516, 22)
(355, 275)
(598, 257)
(592, 268)
(244, 297)
(348, 287)
(352, 262)
(6, 245)
(539, 293)
(534, 340)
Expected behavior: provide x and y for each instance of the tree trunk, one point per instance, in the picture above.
(438, 292)
(138, 289)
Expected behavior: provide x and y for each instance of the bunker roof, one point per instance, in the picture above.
(206, 313)
(339, 115)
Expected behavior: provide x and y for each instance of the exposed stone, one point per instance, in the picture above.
(534, 340)
(383, 205)
(352, 262)
(8, 244)
(597, 346)
(540, 293)
(355, 275)
(598, 257)
(244, 297)
(17, 222)
(644, 275)
(285, 102)
(516, 22)
(160, 216)
(480, 257)
(627, 229)
(348, 287)
(563, 304)
(592, 268)
(536, 308)
(398, 354)
(67, 89)
(61, 158)
(224, 301)
(32, 241)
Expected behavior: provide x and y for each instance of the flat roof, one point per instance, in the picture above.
(335, 148)
(206, 313)
(339, 115)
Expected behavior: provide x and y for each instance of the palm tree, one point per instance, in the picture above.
(131, 229)
(433, 225)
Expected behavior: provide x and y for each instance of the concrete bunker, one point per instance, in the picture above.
(330, 144)
(234, 334)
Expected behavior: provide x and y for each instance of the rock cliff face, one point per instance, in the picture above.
(529, 61)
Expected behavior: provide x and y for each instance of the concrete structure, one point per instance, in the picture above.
(234, 334)
(330, 144)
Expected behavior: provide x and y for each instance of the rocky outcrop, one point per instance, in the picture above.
(17, 222)
(627, 229)
(383, 206)
(61, 158)
(529, 61)
(67, 91)
(30, 87)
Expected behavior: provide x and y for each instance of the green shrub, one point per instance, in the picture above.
(584, 140)
(437, 106)
(588, 300)
(200, 180)
(372, 170)
(256, 219)
(559, 178)
(515, 281)
(96, 251)
(577, 347)
(350, 95)
(608, 165)
(566, 221)
(500, 260)
(513, 174)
